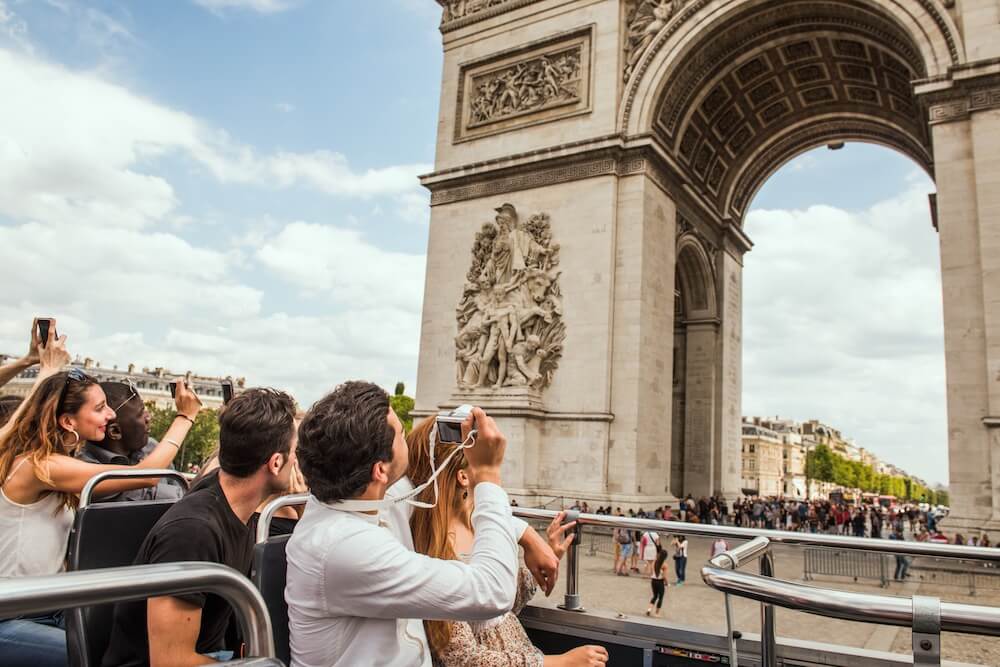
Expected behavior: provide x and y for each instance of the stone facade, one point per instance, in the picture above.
(643, 129)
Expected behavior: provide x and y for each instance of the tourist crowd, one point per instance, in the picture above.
(405, 553)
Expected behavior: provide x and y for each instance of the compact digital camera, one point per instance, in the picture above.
(449, 424)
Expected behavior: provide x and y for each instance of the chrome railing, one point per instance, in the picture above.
(267, 514)
(149, 473)
(32, 595)
(928, 617)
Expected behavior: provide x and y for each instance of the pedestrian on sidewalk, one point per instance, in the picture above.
(680, 558)
(649, 546)
(623, 538)
(658, 582)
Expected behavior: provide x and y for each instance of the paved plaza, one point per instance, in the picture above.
(696, 605)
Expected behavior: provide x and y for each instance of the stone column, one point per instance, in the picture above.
(962, 280)
(728, 448)
(700, 406)
(642, 347)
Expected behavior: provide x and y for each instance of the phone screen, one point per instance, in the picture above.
(43, 330)
(227, 392)
(173, 390)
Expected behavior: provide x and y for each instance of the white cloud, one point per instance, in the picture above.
(92, 232)
(259, 6)
(843, 323)
(284, 107)
(339, 263)
(94, 164)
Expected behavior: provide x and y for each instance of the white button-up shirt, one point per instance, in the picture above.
(357, 592)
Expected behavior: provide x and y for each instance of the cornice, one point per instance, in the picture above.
(966, 89)
(480, 14)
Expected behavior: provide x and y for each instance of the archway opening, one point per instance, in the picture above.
(843, 317)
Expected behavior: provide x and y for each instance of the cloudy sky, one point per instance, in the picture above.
(229, 187)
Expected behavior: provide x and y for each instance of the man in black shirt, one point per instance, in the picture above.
(257, 442)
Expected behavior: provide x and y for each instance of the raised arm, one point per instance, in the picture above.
(70, 475)
(52, 357)
(371, 574)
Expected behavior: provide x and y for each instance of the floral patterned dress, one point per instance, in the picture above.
(498, 642)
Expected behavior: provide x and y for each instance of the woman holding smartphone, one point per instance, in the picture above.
(40, 483)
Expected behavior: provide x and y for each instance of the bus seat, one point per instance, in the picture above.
(104, 535)
(268, 575)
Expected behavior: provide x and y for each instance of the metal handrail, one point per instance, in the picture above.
(776, 536)
(267, 514)
(142, 473)
(32, 595)
(850, 606)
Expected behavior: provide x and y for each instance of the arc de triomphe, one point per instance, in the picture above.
(595, 160)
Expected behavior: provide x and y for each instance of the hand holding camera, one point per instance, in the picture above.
(486, 455)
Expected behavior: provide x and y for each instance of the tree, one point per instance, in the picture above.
(201, 441)
(402, 404)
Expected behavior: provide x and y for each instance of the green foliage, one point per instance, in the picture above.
(823, 464)
(401, 405)
(200, 442)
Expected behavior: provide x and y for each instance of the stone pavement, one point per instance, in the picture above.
(695, 604)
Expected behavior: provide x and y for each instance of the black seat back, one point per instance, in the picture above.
(104, 535)
(268, 575)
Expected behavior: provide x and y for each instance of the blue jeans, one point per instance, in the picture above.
(680, 564)
(221, 656)
(38, 641)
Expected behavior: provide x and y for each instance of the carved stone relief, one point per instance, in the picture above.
(645, 18)
(456, 13)
(510, 328)
(531, 84)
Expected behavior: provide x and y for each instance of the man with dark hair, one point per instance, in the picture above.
(356, 590)
(257, 443)
(127, 442)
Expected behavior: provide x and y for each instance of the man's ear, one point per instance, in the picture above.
(380, 472)
(463, 479)
(276, 463)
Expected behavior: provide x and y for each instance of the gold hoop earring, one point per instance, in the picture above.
(77, 441)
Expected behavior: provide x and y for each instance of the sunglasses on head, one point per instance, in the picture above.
(76, 375)
(134, 394)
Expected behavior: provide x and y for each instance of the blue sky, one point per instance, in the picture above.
(229, 186)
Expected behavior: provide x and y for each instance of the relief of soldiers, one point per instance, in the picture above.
(510, 331)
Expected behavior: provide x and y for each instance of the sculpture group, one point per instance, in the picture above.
(510, 329)
(535, 84)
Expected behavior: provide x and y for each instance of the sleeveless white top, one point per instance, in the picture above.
(33, 537)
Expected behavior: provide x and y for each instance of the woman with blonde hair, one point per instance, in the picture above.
(445, 531)
(40, 483)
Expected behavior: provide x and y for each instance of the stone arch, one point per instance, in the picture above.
(694, 442)
(695, 279)
(748, 87)
(929, 28)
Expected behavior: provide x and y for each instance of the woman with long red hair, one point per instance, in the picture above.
(445, 531)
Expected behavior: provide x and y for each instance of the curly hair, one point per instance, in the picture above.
(342, 436)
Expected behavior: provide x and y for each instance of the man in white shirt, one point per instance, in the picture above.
(356, 590)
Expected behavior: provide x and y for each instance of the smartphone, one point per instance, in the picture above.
(173, 389)
(227, 391)
(44, 323)
(449, 424)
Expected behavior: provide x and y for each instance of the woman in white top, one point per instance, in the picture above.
(41, 481)
(650, 545)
